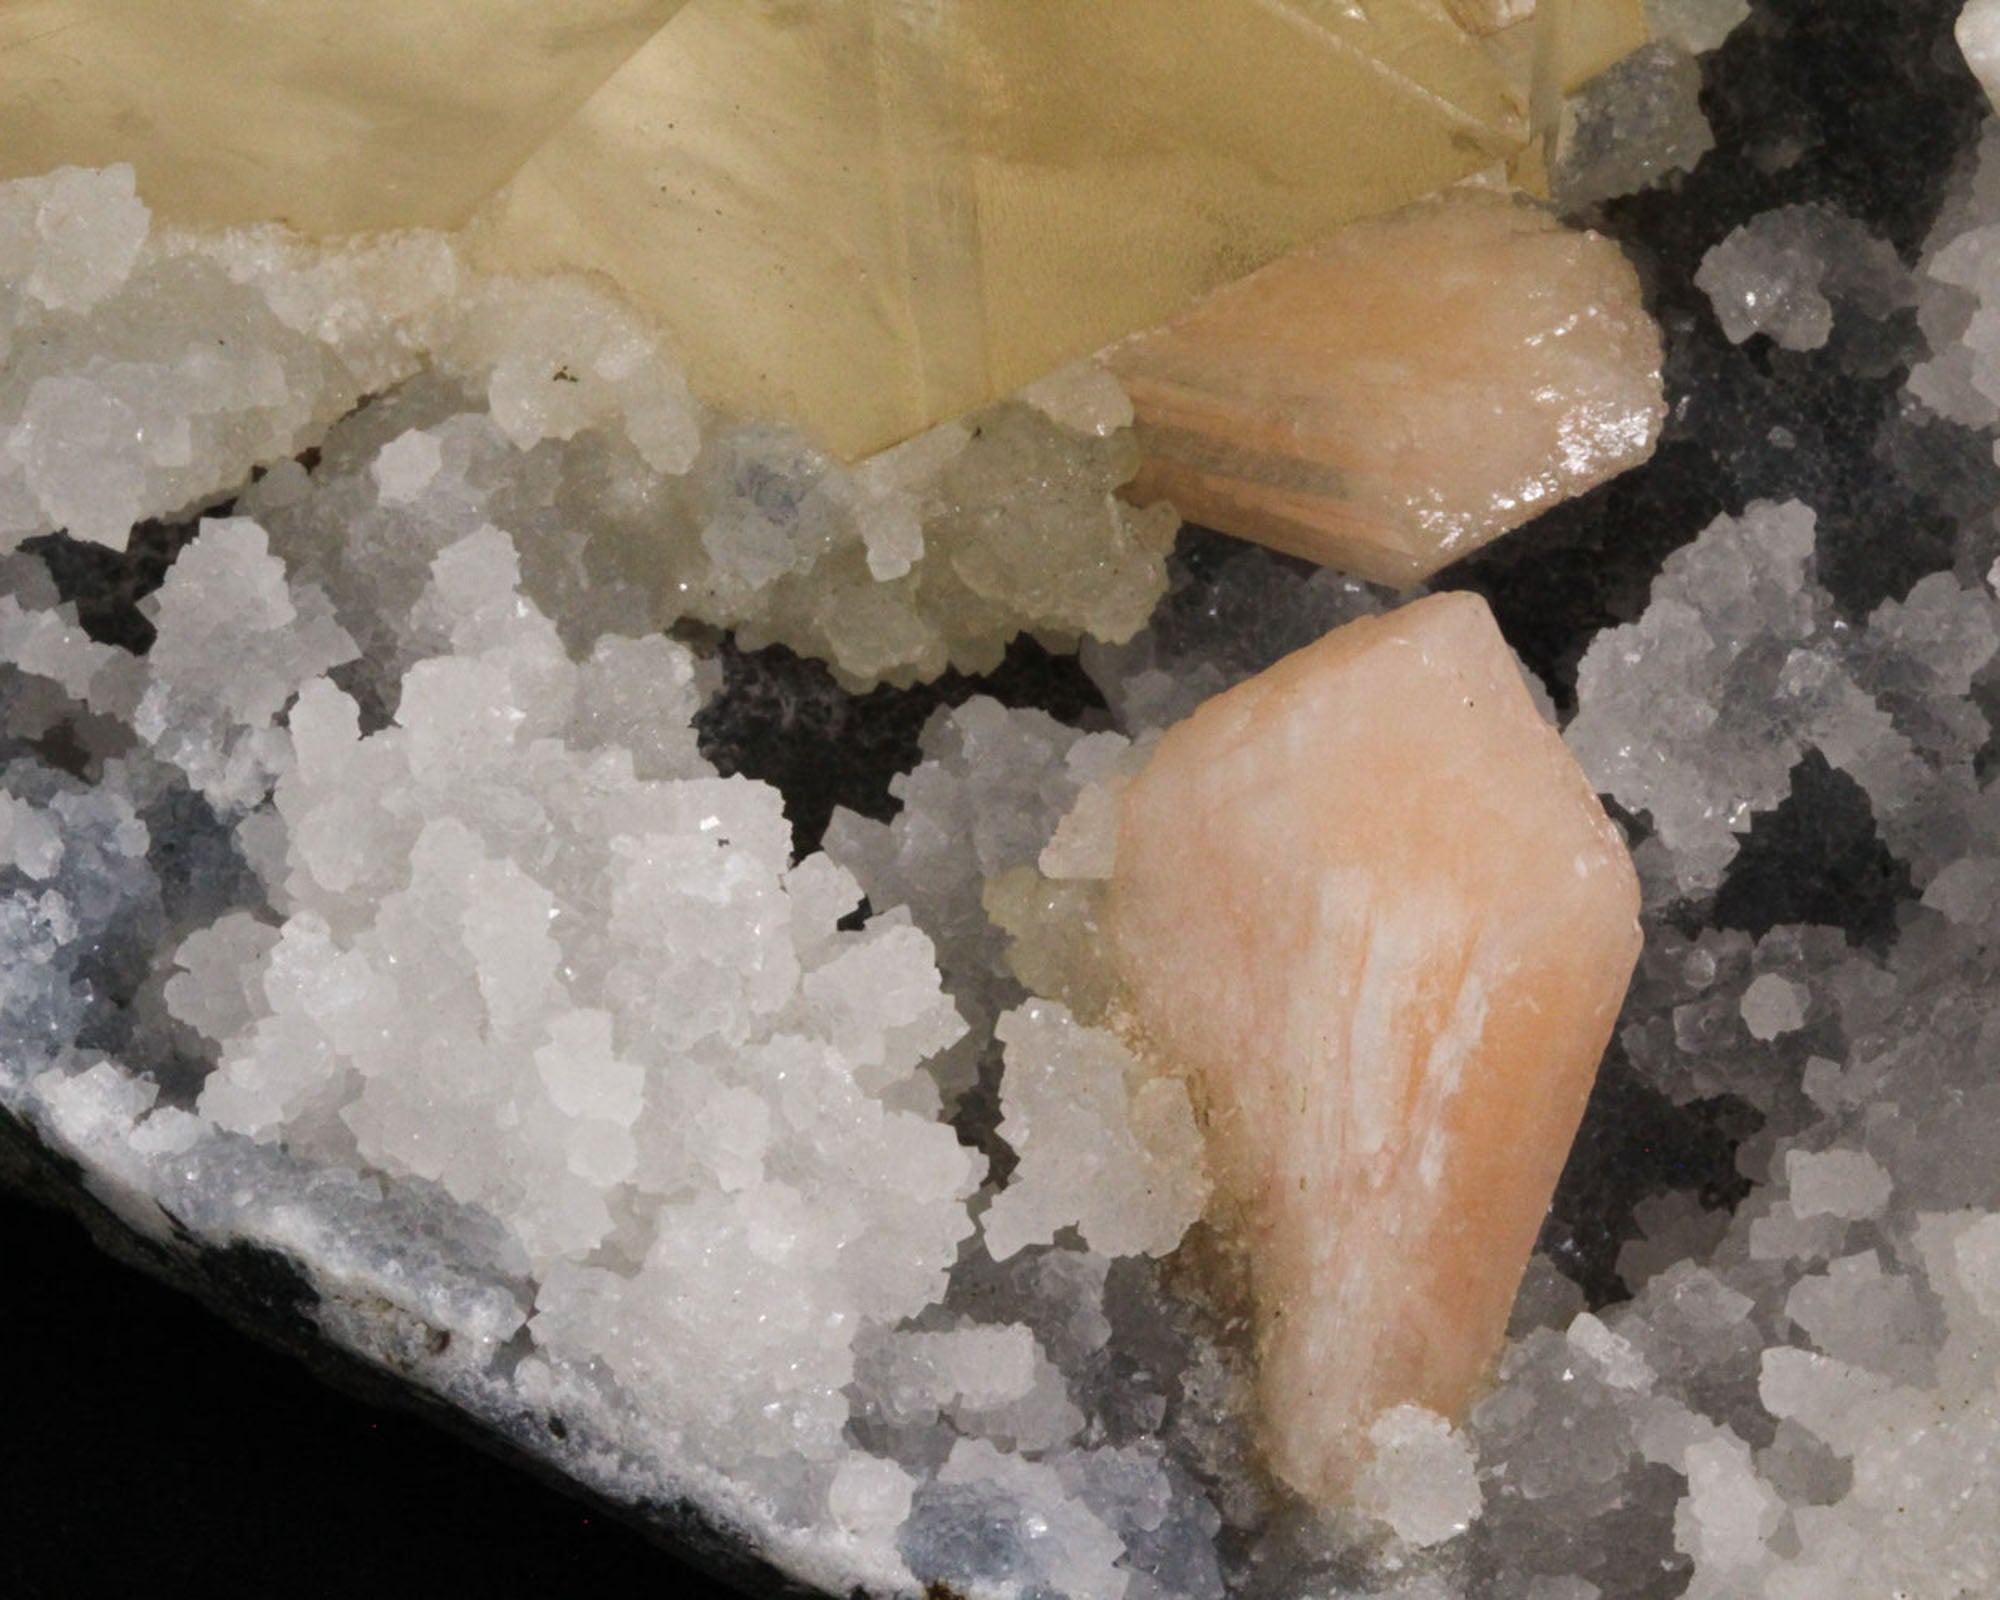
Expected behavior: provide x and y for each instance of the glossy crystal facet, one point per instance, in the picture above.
(1367, 904)
(870, 216)
(1395, 396)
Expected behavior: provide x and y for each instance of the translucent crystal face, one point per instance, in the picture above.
(1369, 906)
(1404, 391)
(870, 216)
(861, 215)
(336, 116)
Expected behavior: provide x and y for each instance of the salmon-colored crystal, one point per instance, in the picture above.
(1405, 391)
(1369, 906)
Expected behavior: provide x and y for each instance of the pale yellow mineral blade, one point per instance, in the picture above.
(1581, 38)
(869, 216)
(334, 116)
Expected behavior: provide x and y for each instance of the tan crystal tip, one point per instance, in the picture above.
(1367, 904)
(1402, 393)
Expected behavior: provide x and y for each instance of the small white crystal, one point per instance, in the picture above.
(870, 1497)
(1857, 1312)
(1123, 1165)
(407, 466)
(584, 1076)
(29, 839)
(1422, 1479)
(1616, 1358)
(1027, 1508)
(1978, 34)
(1083, 397)
(1773, 1006)
(1782, 272)
(1850, 1184)
(217, 989)
(1631, 126)
(51, 645)
(71, 239)
(1729, 1512)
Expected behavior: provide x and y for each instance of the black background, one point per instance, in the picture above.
(148, 1449)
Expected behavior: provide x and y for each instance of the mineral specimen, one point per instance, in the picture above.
(1782, 1221)
(335, 116)
(1369, 906)
(1395, 397)
(871, 218)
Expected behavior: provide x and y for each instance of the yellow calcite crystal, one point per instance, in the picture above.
(1402, 392)
(869, 216)
(1369, 907)
(336, 116)
(863, 215)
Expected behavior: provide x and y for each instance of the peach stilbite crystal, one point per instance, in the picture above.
(335, 116)
(1405, 391)
(1369, 906)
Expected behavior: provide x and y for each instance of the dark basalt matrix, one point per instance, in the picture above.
(1783, 1150)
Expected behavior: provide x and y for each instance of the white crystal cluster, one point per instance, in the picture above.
(528, 948)
(1103, 1149)
(1423, 1481)
(986, 800)
(1801, 1411)
(1783, 273)
(1637, 124)
(1958, 297)
(1640, 123)
(473, 984)
(1697, 712)
(143, 374)
(519, 949)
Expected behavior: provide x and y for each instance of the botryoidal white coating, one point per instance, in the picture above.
(144, 373)
(489, 931)
(1783, 273)
(528, 954)
(1740, 666)
(1632, 126)
(572, 1172)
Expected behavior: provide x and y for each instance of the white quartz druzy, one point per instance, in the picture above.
(1422, 1480)
(534, 951)
(1102, 1148)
